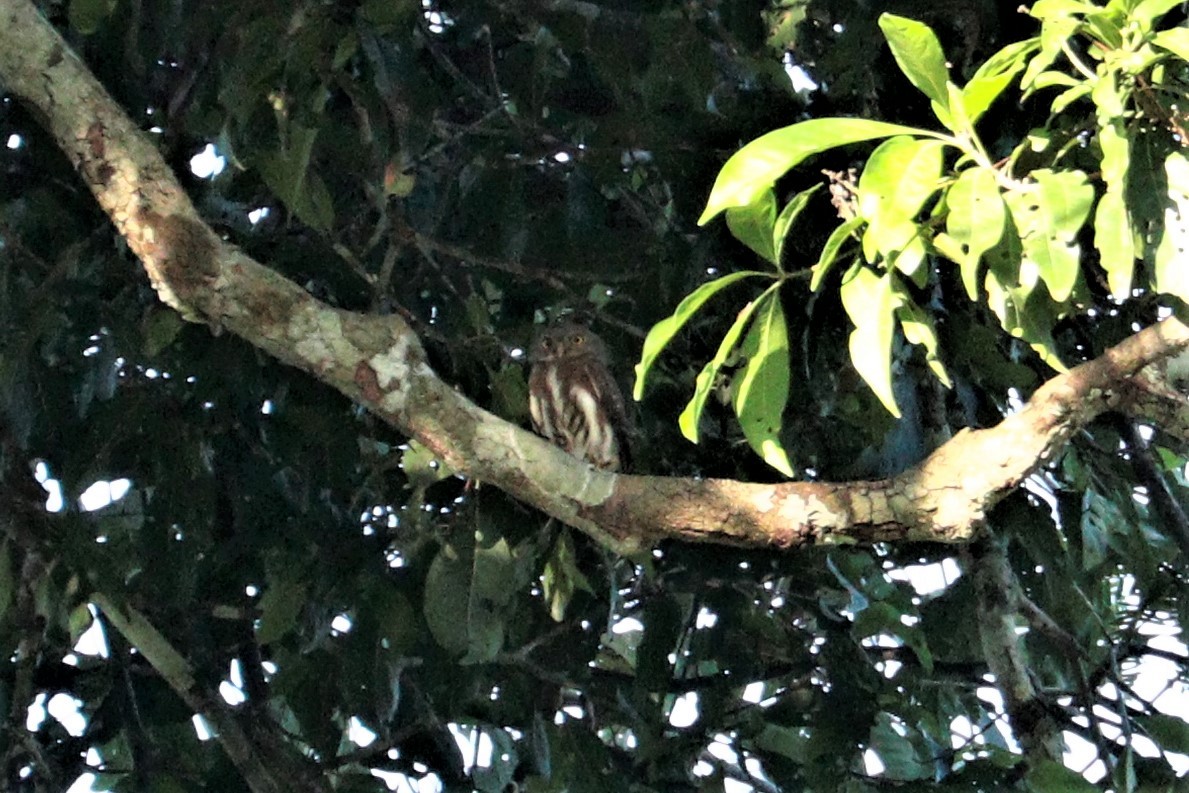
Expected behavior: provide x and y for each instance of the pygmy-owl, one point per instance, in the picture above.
(573, 398)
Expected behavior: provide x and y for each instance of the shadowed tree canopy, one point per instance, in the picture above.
(267, 275)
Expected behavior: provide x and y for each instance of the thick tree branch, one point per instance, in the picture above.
(379, 363)
(1003, 648)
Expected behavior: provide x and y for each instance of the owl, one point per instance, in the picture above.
(573, 398)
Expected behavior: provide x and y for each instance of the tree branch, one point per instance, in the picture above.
(268, 764)
(379, 363)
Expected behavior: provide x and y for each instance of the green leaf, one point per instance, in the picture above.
(1054, 35)
(761, 388)
(918, 329)
(787, 216)
(897, 753)
(161, 329)
(1115, 242)
(919, 55)
(870, 301)
(1148, 11)
(562, 577)
(1171, 733)
(901, 175)
(1047, 776)
(1010, 302)
(1067, 98)
(87, 15)
(784, 741)
(465, 589)
(1049, 217)
(981, 92)
(883, 617)
(280, 606)
(1113, 235)
(830, 251)
(1170, 274)
(1175, 41)
(754, 225)
(1105, 25)
(690, 416)
(975, 221)
(313, 205)
(663, 331)
(754, 168)
(996, 73)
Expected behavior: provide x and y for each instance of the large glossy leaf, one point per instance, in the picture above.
(663, 331)
(1113, 235)
(1049, 216)
(901, 176)
(754, 168)
(974, 221)
(870, 301)
(918, 54)
(1171, 271)
(1115, 242)
(692, 414)
(761, 387)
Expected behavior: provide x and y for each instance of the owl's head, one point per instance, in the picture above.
(566, 341)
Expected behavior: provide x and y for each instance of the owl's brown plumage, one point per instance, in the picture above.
(573, 398)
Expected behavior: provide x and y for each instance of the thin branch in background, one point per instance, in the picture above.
(1165, 507)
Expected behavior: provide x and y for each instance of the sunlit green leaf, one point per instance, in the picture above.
(1171, 275)
(690, 416)
(1113, 235)
(830, 250)
(870, 301)
(990, 80)
(1175, 40)
(761, 387)
(1105, 26)
(754, 168)
(1050, 216)
(663, 331)
(754, 225)
(1067, 98)
(901, 175)
(787, 217)
(1148, 11)
(919, 55)
(1115, 242)
(1054, 34)
(918, 329)
(974, 221)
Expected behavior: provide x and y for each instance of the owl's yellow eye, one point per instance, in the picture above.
(578, 339)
